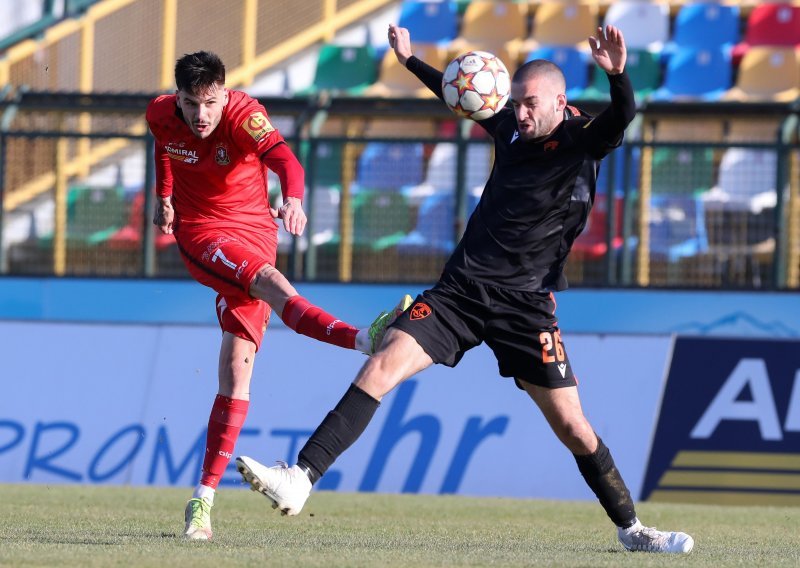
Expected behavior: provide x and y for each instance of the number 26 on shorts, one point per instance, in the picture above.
(552, 347)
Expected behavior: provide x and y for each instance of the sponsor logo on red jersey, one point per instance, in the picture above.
(257, 126)
(178, 152)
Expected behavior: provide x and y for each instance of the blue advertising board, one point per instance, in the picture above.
(728, 428)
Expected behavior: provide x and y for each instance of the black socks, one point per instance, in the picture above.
(604, 479)
(337, 432)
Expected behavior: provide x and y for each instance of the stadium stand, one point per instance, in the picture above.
(706, 25)
(497, 27)
(344, 69)
(770, 23)
(645, 25)
(644, 70)
(767, 74)
(696, 73)
(572, 61)
(430, 22)
(563, 24)
(394, 80)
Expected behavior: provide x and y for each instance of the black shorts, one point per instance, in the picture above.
(519, 327)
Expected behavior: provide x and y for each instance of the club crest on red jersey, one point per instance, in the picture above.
(221, 155)
(420, 311)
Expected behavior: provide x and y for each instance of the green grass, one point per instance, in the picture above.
(119, 526)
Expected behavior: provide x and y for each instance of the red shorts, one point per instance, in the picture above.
(227, 260)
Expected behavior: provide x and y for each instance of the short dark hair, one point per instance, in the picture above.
(539, 67)
(198, 71)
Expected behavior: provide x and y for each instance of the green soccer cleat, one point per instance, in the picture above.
(378, 327)
(198, 520)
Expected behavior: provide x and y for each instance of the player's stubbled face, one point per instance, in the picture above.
(536, 107)
(202, 111)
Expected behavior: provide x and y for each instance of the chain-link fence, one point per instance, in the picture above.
(688, 201)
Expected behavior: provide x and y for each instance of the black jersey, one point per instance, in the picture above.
(539, 193)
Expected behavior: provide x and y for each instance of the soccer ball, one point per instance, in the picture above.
(476, 85)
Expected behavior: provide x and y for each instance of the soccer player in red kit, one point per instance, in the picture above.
(213, 148)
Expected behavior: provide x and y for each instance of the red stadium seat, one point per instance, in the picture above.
(773, 24)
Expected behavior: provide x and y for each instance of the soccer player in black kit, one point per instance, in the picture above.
(497, 287)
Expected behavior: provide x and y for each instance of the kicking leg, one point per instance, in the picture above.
(307, 319)
(288, 488)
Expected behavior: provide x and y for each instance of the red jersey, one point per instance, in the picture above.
(218, 182)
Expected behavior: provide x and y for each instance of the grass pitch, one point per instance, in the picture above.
(61, 525)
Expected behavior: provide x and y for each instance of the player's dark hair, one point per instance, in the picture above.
(198, 71)
(537, 67)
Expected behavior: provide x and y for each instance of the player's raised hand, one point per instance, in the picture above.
(608, 50)
(164, 215)
(294, 218)
(400, 41)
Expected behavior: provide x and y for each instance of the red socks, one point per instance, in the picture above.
(224, 424)
(305, 318)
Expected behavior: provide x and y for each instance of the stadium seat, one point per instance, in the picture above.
(775, 24)
(435, 228)
(706, 25)
(746, 180)
(429, 22)
(645, 25)
(380, 219)
(592, 243)
(394, 80)
(644, 70)
(562, 23)
(94, 214)
(677, 227)
(440, 175)
(130, 236)
(389, 166)
(344, 69)
(767, 74)
(696, 74)
(497, 27)
(572, 61)
(684, 171)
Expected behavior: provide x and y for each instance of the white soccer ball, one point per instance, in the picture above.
(476, 85)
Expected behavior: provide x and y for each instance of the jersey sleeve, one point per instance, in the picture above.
(604, 132)
(162, 161)
(252, 130)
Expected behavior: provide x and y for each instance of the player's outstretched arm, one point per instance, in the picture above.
(400, 42)
(608, 50)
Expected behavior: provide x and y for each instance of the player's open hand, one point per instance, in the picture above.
(608, 50)
(164, 215)
(400, 41)
(294, 218)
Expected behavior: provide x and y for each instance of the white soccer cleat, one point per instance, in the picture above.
(287, 487)
(198, 520)
(640, 538)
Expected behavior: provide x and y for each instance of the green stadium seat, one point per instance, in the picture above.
(644, 69)
(344, 69)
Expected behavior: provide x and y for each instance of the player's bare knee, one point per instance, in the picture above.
(270, 285)
(576, 433)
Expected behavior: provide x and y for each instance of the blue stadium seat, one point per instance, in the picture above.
(435, 227)
(706, 24)
(677, 227)
(389, 166)
(697, 73)
(572, 61)
(430, 22)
